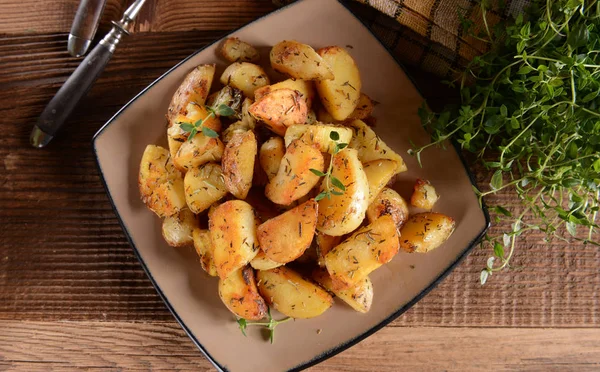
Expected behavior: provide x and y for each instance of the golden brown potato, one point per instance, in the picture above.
(318, 134)
(389, 202)
(239, 293)
(341, 214)
(340, 95)
(160, 184)
(204, 248)
(304, 87)
(364, 108)
(238, 163)
(235, 50)
(246, 77)
(204, 185)
(294, 178)
(280, 109)
(194, 88)
(424, 232)
(364, 251)
(379, 173)
(270, 155)
(177, 229)
(262, 262)
(233, 233)
(201, 149)
(175, 138)
(292, 295)
(424, 195)
(286, 237)
(370, 147)
(193, 114)
(359, 296)
(325, 243)
(299, 61)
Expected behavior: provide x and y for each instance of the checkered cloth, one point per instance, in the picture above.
(430, 34)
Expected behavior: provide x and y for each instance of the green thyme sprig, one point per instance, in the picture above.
(193, 129)
(331, 182)
(270, 325)
(530, 113)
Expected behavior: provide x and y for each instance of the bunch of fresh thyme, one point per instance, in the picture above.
(270, 325)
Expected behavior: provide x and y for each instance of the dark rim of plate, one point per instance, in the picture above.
(343, 346)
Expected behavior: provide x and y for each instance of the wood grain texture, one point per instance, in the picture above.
(41, 346)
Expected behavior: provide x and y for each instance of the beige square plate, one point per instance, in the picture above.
(192, 296)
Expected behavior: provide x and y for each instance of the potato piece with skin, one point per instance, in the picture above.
(294, 178)
(201, 149)
(340, 95)
(304, 87)
(194, 88)
(364, 108)
(204, 185)
(168, 198)
(177, 229)
(379, 173)
(424, 195)
(262, 262)
(364, 251)
(424, 232)
(286, 237)
(280, 109)
(292, 295)
(236, 50)
(299, 61)
(319, 134)
(204, 247)
(238, 163)
(232, 227)
(341, 214)
(325, 243)
(240, 295)
(359, 296)
(270, 155)
(389, 202)
(370, 147)
(246, 77)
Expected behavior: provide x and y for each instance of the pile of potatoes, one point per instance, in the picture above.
(245, 198)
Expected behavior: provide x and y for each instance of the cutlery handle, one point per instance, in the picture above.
(84, 26)
(77, 85)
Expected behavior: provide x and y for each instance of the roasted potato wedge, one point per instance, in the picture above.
(341, 214)
(177, 229)
(238, 163)
(246, 77)
(379, 173)
(359, 296)
(236, 50)
(228, 96)
(193, 114)
(370, 147)
(232, 228)
(364, 251)
(299, 61)
(270, 155)
(286, 237)
(424, 232)
(204, 248)
(319, 134)
(324, 244)
(294, 178)
(204, 185)
(280, 109)
(194, 88)
(340, 95)
(160, 184)
(389, 202)
(201, 149)
(239, 294)
(364, 108)
(262, 262)
(424, 195)
(292, 295)
(304, 87)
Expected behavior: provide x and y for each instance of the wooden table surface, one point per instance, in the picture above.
(73, 296)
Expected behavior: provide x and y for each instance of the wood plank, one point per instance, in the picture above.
(41, 346)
